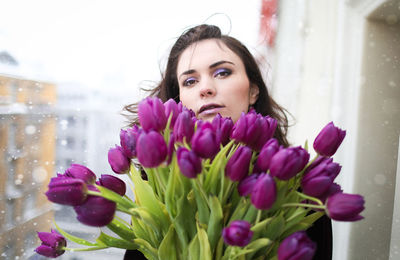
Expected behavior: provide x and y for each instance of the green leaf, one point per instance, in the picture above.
(121, 229)
(240, 210)
(215, 224)
(142, 230)
(75, 239)
(184, 222)
(174, 188)
(113, 196)
(146, 198)
(148, 251)
(147, 218)
(256, 245)
(194, 249)
(202, 203)
(168, 245)
(205, 250)
(275, 228)
(116, 242)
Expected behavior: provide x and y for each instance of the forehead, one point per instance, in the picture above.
(205, 53)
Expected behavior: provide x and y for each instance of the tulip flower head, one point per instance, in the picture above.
(263, 194)
(204, 141)
(270, 148)
(297, 246)
(171, 109)
(67, 191)
(52, 244)
(238, 233)
(151, 149)
(128, 139)
(184, 127)
(286, 163)
(246, 185)
(189, 163)
(345, 207)
(118, 161)
(96, 211)
(238, 165)
(113, 183)
(329, 140)
(151, 113)
(81, 172)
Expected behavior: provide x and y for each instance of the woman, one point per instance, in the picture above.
(212, 73)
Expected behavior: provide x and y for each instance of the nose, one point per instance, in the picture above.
(207, 89)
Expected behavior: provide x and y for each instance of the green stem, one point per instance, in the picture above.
(303, 205)
(258, 216)
(84, 249)
(310, 198)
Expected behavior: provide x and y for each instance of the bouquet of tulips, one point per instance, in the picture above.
(205, 190)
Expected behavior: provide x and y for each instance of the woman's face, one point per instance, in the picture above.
(212, 79)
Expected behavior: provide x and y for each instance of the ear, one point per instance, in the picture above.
(253, 95)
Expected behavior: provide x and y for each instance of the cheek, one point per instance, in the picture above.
(187, 99)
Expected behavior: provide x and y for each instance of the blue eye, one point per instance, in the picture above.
(221, 73)
(189, 82)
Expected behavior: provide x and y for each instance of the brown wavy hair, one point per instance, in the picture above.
(169, 86)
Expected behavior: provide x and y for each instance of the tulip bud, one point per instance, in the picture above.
(223, 128)
(286, 163)
(270, 148)
(96, 211)
(118, 161)
(263, 195)
(189, 163)
(113, 183)
(52, 244)
(151, 149)
(238, 233)
(171, 107)
(238, 165)
(268, 126)
(246, 185)
(204, 141)
(345, 207)
(67, 191)
(184, 127)
(81, 172)
(128, 140)
(329, 140)
(247, 129)
(318, 178)
(151, 114)
(297, 246)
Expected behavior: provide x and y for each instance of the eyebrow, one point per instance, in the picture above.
(216, 64)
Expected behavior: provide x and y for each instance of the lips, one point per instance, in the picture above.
(209, 108)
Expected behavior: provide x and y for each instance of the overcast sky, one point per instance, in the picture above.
(111, 44)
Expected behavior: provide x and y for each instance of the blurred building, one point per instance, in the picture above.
(27, 161)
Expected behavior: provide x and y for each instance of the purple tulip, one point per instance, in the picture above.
(118, 161)
(223, 128)
(151, 112)
(170, 148)
(204, 141)
(268, 126)
(184, 127)
(270, 148)
(128, 140)
(81, 172)
(318, 178)
(345, 207)
(238, 165)
(333, 189)
(238, 233)
(297, 246)
(329, 140)
(171, 107)
(53, 244)
(151, 149)
(246, 185)
(263, 195)
(96, 211)
(253, 129)
(286, 163)
(112, 183)
(67, 191)
(189, 163)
